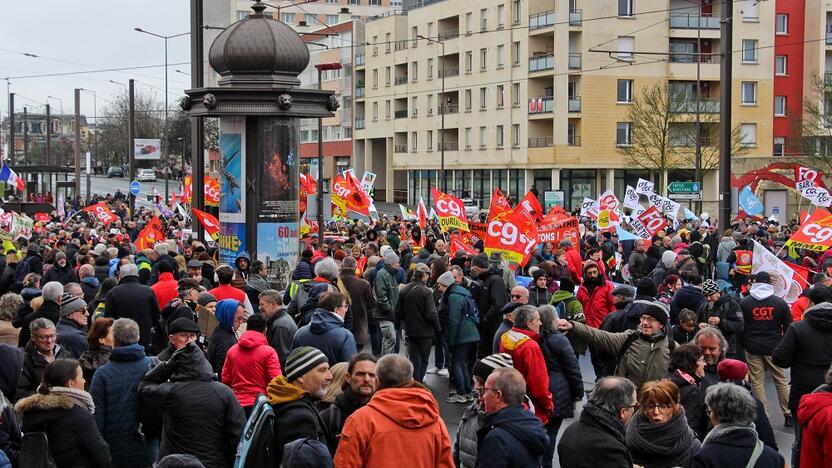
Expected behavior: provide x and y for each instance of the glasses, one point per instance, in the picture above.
(635, 406)
(495, 390)
(654, 406)
(44, 337)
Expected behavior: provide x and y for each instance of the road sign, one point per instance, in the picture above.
(686, 196)
(684, 187)
(135, 188)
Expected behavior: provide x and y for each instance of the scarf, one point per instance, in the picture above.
(660, 445)
(722, 430)
(81, 398)
(605, 419)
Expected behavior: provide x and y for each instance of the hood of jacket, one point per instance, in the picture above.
(819, 317)
(814, 402)
(323, 321)
(560, 295)
(40, 410)
(226, 309)
(302, 271)
(281, 391)
(129, 353)
(252, 339)
(761, 291)
(192, 366)
(519, 422)
(242, 255)
(91, 281)
(30, 293)
(668, 257)
(411, 407)
(516, 337)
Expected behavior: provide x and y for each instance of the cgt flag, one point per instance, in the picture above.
(450, 212)
(208, 222)
(101, 212)
(151, 234)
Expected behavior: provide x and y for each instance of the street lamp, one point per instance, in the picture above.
(60, 101)
(94, 136)
(167, 163)
(442, 110)
(129, 143)
(321, 67)
(182, 73)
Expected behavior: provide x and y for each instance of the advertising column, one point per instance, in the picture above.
(232, 189)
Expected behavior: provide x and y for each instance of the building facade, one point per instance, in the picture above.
(30, 147)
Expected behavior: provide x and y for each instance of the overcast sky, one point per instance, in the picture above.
(92, 34)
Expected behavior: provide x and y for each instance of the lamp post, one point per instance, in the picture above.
(165, 132)
(442, 110)
(129, 142)
(321, 67)
(49, 125)
(94, 137)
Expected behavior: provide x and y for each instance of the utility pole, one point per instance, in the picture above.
(699, 57)
(725, 77)
(47, 157)
(25, 135)
(77, 142)
(11, 129)
(198, 123)
(131, 136)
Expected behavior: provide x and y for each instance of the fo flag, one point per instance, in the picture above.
(450, 211)
(101, 212)
(150, 235)
(208, 222)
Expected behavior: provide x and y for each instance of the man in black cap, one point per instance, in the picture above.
(491, 297)
(195, 271)
(180, 332)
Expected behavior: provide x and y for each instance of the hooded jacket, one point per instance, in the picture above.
(165, 289)
(460, 328)
(805, 348)
(295, 415)
(565, 383)
(573, 261)
(387, 294)
(572, 310)
(224, 336)
(134, 301)
(201, 417)
(401, 423)
(465, 441)
(249, 367)
(766, 317)
(65, 274)
(326, 332)
(815, 416)
(598, 302)
(528, 359)
(511, 437)
(687, 297)
(417, 309)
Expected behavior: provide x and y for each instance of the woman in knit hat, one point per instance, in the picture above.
(538, 289)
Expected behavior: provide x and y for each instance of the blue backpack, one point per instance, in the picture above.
(473, 311)
(256, 446)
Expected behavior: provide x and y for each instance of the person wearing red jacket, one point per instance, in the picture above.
(815, 416)
(225, 275)
(167, 287)
(521, 343)
(595, 295)
(573, 260)
(251, 364)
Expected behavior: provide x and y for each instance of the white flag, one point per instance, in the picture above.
(644, 187)
(631, 198)
(781, 274)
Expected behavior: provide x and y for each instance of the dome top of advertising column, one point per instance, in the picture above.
(259, 51)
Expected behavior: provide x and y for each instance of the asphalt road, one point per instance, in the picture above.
(102, 185)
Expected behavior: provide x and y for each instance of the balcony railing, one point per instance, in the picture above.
(829, 35)
(400, 114)
(688, 105)
(541, 62)
(359, 92)
(827, 78)
(687, 21)
(575, 104)
(541, 105)
(359, 123)
(449, 146)
(400, 80)
(449, 34)
(401, 45)
(575, 61)
(576, 18)
(573, 140)
(400, 148)
(541, 142)
(692, 58)
(449, 72)
(449, 109)
(542, 20)
(359, 59)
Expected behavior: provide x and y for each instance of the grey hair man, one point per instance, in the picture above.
(51, 309)
(281, 328)
(40, 351)
(713, 345)
(521, 344)
(133, 300)
(327, 268)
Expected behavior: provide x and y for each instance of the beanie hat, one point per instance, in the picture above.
(646, 287)
(566, 284)
(60, 254)
(709, 287)
(385, 249)
(446, 279)
(306, 453)
(480, 261)
(302, 360)
(820, 294)
(537, 274)
(205, 298)
(71, 303)
(624, 290)
(657, 310)
(762, 277)
(731, 369)
(495, 259)
(391, 258)
(485, 366)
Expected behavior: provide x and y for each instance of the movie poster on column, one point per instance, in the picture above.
(277, 248)
(278, 187)
(232, 170)
(232, 241)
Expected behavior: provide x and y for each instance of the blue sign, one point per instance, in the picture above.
(135, 188)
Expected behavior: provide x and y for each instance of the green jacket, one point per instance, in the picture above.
(461, 328)
(642, 362)
(387, 295)
(574, 312)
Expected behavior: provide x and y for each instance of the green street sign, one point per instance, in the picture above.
(684, 187)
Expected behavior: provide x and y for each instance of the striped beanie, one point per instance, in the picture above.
(302, 360)
(485, 366)
(71, 303)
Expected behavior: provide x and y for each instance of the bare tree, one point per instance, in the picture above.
(113, 129)
(810, 142)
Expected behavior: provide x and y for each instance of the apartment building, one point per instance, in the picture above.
(537, 93)
(62, 134)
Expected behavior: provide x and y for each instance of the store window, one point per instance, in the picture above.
(577, 184)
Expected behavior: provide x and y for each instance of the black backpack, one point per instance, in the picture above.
(34, 451)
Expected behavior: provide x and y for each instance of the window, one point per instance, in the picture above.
(515, 94)
(375, 2)
(414, 141)
(749, 51)
(483, 137)
(469, 22)
(625, 7)
(414, 34)
(414, 106)
(749, 92)
(310, 19)
(626, 45)
(623, 133)
(375, 77)
(354, 2)
(430, 104)
(483, 58)
(748, 134)
(625, 91)
(430, 68)
(469, 61)
(515, 135)
(501, 16)
(779, 146)
(515, 53)
(288, 18)
(375, 111)
(515, 5)
(501, 56)
(387, 43)
(375, 47)
(500, 136)
(430, 140)
(387, 110)
(500, 96)
(781, 63)
(331, 19)
(414, 71)
(750, 10)
(482, 98)
(468, 100)
(781, 25)
(467, 137)
(779, 106)
(483, 19)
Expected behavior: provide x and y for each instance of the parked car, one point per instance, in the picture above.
(144, 175)
(115, 171)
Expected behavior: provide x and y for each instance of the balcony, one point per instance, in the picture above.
(449, 34)
(576, 18)
(542, 20)
(827, 78)
(541, 63)
(359, 59)
(400, 114)
(400, 148)
(541, 105)
(448, 146)
(688, 105)
(401, 45)
(449, 109)
(400, 80)
(693, 57)
(359, 123)
(541, 142)
(360, 92)
(449, 72)
(574, 104)
(573, 140)
(682, 21)
(829, 35)
(575, 61)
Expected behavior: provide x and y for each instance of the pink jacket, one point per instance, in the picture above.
(249, 367)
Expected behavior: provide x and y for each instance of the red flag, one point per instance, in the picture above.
(347, 194)
(499, 205)
(532, 206)
(208, 222)
(514, 236)
(457, 245)
(150, 235)
(422, 214)
(450, 211)
(101, 211)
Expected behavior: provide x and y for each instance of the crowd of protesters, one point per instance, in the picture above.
(156, 357)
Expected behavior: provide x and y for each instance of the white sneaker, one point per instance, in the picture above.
(470, 398)
(460, 399)
(433, 370)
(443, 372)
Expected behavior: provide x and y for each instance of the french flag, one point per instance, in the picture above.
(10, 177)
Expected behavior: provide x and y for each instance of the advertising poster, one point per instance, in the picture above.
(232, 170)
(147, 149)
(232, 241)
(278, 187)
(278, 249)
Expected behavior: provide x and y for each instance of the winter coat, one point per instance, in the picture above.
(573, 310)
(11, 365)
(387, 294)
(165, 289)
(134, 301)
(731, 323)
(295, 415)
(49, 310)
(511, 437)
(90, 287)
(8, 333)
(687, 297)
(326, 332)
(596, 303)
(491, 297)
(766, 318)
(63, 275)
(114, 391)
(10, 434)
(573, 260)
(7, 277)
(33, 365)
(362, 303)
(465, 442)
(666, 445)
(538, 297)
(102, 268)
(417, 310)
(337, 413)
(92, 360)
(249, 367)
(732, 446)
(224, 336)
(74, 441)
(401, 423)
(692, 398)
(72, 337)
(815, 416)
(281, 331)
(201, 417)
(461, 328)
(565, 382)
(627, 318)
(805, 348)
(524, 348)
(595, 440)
(646, 359)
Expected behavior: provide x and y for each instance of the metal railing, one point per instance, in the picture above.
(400, 114)
(446, 35)
(359, 123)
(449, 72)
(574, 104)
(359, 59)
(576, 17)
(401, 45)
(448, 145)
(573, 140)
(359, 92)
(542, 20)
(541, 142)
(449, 109)
(575, 61)
(541, 104)
(400, 80)
(690, 21)
(692, 58)
(541, 62)
(400, 148)
(827, 78)
(688, 105)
